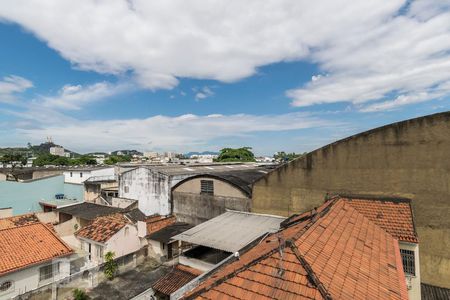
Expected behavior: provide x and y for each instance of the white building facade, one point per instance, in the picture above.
(80, 175)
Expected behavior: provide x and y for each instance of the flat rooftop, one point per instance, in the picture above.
(231, 231)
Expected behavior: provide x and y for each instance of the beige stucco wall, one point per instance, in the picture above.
(408, 159)
(190, 206)
(221, 188)
(46, 173)
(122, 244)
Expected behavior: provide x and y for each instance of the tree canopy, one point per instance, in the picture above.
(243, 154)
(55, 160)
(282, 156)
(113, 159)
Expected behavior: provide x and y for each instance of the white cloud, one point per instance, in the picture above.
(181, 133)
(203, 93)
(12, 85)
(368, 50)
(162, 40)
(75, 96)
(405, 55)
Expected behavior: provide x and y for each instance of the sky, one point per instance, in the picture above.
(188, 75)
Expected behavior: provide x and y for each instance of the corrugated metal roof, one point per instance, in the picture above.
(430, 292)
(174, 170)
(231, 231)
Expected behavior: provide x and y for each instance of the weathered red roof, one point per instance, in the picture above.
(337, 253)
(103, 228)
(29, 244)
(175, 279)
(17, 221)
(393, 215)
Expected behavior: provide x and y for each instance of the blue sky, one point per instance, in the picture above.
(183, 76)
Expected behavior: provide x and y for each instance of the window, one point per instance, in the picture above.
(99, 251)
(408, 262)
(71, 174)
(46, 272)
(5, 286)
(81, 174)
(126, 189)
(207, 187)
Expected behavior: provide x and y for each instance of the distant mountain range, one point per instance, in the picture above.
(189, 154)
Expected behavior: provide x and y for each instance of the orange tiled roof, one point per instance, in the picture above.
(103, 228)
(337, 253)
(29, 244)
(17, 221)
(394, 216)
(157, 222)
(175, 279)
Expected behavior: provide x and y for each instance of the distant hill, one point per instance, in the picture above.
(189, 154)
(127, 152)
(33, 150)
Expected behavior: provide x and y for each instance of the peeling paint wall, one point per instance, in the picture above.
(150, 188)
(407, 159)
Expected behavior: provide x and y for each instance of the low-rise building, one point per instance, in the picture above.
(332, 252)
(31, 256)
(114, 233)
(161, 243)
(100, 189)
(78, 175)
(204, 196)
(57, 150)
(151, 185)
(73, 217)
(209, 243)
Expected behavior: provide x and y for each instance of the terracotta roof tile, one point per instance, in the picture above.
(17, 221)
(336, 253)
(393, 216)
(103, 228)
(175, 279)
(29, 244)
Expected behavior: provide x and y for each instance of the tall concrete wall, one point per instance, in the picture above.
(192, 207)
(408, 159)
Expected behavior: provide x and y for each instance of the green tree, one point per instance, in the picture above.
(79, 295)
(114, 159)
(110, 265)
(243, 154)
(282, 156)
(83, 160)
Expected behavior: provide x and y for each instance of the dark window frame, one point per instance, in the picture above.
(207, 187)
(46, 272)
(408, 261)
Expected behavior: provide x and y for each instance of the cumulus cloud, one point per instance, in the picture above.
(12, 85)
(74, 97)
(407, 54)
(181, 132)
(203, 93)
(368, 50)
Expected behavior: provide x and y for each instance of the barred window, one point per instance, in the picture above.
(408, 262)
(46, 272)
(207, 187)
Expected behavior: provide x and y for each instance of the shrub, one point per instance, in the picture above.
(79, 295)
(110, 265)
